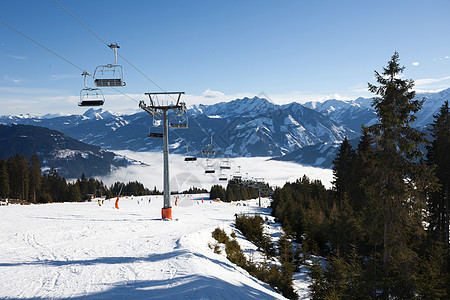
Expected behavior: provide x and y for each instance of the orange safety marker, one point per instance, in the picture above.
(202, 199)
(117, 203)
(166, 213)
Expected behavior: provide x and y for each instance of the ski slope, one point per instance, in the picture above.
(84, 251)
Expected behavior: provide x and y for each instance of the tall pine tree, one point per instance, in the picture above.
(343, 170)
(437, 155)
(398, 179)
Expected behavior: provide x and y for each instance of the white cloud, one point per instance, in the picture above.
(16, 56)
(442, 58)
(427, 81)
(212, 94)
(13, 80)
(432, 85)
(416, 63)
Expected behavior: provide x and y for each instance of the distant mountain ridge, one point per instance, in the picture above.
(353, 113)
(68, 156)
(242, 127)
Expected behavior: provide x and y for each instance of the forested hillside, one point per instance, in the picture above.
(22, 179)
(384, 226)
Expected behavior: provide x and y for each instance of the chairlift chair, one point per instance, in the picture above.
(190, 156)
(110, 75)
(237, 174)
(90, 96)
(156, 130)
(223, 177)
(225, 164)
(179, 120)
(209, 169)
(209, 149)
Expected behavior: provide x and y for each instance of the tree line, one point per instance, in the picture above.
(23, 180)
(238, 189)
(384, 226)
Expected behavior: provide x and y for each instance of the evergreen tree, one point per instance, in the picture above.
(4, 180)
(35, 177)
(343, 168)
(14, 177)
(437, 155)
(318, 286)
(75, 193)
(84, 186)
(434, 273)
(18, 176)
(398, 179)
(217, 191)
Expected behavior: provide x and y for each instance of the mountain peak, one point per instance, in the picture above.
(97, 114)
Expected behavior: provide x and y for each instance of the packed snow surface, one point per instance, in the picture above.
(84, 251)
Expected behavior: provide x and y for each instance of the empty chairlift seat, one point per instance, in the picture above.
(209, 169)
(156, 130)
(225, 164)
(190, 154)
(91, 97)
(179, 121)
(223, 177)
(237, 174)
(110, 75)
(209, 149)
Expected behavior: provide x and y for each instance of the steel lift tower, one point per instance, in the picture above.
(157, 108)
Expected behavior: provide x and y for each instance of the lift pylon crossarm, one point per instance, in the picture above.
(146, 108)
(179, 105)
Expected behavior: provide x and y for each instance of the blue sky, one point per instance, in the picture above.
(218, 51)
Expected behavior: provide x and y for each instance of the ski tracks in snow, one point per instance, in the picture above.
(83, 250)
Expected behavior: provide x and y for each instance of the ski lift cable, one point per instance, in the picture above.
(183, 139)
(84, 72)
(103, 41)
(123, 184)
(139, 71)
(128, 96)
(213, 142)
(42, 46)
(131, 64)
(207, 134)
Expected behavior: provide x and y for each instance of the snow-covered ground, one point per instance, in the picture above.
(83, 250)
(187, 174)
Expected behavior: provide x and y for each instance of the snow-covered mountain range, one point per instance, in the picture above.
(247, 127)
(243, 127)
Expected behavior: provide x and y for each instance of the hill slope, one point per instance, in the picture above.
(130, 253)
(68, 156)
